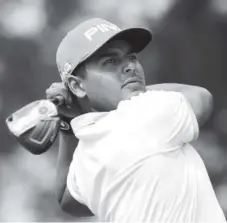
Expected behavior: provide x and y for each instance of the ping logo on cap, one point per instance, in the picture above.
(100, 28)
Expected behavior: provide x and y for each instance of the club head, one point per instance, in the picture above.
(35, 125)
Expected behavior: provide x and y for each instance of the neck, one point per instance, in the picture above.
(93, 110)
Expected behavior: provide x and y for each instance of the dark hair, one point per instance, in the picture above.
(80, 71)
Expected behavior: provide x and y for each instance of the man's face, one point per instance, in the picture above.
(113, 74)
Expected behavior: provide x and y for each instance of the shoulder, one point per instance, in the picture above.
(162, 98)
(86, 120)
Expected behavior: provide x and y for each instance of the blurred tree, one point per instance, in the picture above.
(58, 11)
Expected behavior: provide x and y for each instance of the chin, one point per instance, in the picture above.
(136, 93)
(128, 94)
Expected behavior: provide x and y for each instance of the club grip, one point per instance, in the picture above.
(58, 100)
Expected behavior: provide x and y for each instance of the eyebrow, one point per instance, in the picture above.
(107, 55)
(102, 55)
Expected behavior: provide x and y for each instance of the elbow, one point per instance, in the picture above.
(59, 193)
(206, 99)
(61, 202)
(76, 209)
(71, 206)
(67, 208)
(59, 198)
(63, 205)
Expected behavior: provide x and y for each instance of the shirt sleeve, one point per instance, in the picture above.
(166, 116)
(72, 185)
(173, 120)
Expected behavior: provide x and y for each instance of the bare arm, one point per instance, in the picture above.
(199, 98)
(67, 145)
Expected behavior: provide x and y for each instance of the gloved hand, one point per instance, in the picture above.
(69, 109)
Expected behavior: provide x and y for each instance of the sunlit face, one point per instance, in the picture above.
(113, 73)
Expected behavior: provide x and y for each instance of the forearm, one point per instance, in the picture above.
(199, 98)
(67, 145)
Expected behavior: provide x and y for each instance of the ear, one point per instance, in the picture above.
(76, 87)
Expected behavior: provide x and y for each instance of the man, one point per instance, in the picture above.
(133, 161)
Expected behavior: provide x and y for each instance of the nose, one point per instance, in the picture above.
(129, 68)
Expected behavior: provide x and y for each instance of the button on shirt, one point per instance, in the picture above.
(136, 164)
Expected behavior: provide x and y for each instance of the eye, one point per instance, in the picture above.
(110, 60)
(132, 57)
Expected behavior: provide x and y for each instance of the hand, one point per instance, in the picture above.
(70, 108)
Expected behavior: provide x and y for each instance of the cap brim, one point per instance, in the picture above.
(138, 38)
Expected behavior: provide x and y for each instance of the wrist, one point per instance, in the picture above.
(65, 125)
